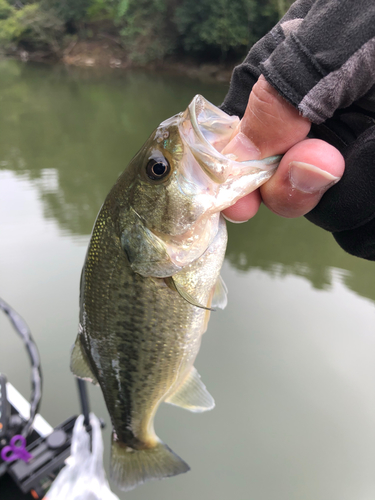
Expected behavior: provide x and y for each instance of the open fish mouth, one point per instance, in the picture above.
(207, 130)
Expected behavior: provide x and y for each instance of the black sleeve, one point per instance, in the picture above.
(327, 63)
(348, 208)
(321, 58)
(246, 74)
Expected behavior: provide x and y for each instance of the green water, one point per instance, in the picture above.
(290, 362)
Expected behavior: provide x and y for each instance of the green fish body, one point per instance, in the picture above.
(151, 277)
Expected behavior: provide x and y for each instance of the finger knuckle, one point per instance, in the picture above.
(264, 93)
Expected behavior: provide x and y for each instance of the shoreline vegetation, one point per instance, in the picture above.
(204, 40)
(103, 55)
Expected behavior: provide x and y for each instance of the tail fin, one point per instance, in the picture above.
(130, 468)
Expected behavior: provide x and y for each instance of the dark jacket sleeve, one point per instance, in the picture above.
(246, 74)
(327, 63)
(320, 57)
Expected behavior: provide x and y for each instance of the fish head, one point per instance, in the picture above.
(156, 195)
(177, 185)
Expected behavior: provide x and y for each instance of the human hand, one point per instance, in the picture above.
(308, 168)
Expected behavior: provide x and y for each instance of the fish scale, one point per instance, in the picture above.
(124, 317)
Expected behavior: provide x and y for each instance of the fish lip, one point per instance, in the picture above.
(195, 103)
(200, 102)
(218, 167)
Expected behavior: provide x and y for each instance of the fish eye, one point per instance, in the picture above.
(157, 170)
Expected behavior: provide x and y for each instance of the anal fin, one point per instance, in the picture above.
(192, 394)
(79, 363)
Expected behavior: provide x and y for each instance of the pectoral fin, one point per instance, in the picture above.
(192, 394)
(219, 298)
(173, 285)
(79, 364)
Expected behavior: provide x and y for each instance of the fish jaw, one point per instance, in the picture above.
(247, 179)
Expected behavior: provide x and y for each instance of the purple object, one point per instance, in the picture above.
(16, 450)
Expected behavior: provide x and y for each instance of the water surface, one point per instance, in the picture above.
(290, 362)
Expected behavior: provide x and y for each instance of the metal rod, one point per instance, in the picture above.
(84, 400)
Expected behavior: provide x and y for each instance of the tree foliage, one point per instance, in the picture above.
(5, 10)
(148, 30)
(30, 26)
(216, 26)
(67, 10)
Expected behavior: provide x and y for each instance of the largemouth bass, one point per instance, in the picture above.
(151, 277)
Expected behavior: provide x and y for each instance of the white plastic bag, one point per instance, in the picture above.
(84, 477)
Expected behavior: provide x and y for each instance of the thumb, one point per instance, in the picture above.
(270, 125)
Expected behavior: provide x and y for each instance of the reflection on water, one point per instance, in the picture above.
(81, 129)
(296, 247)
(72, 131)
(290, 362)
